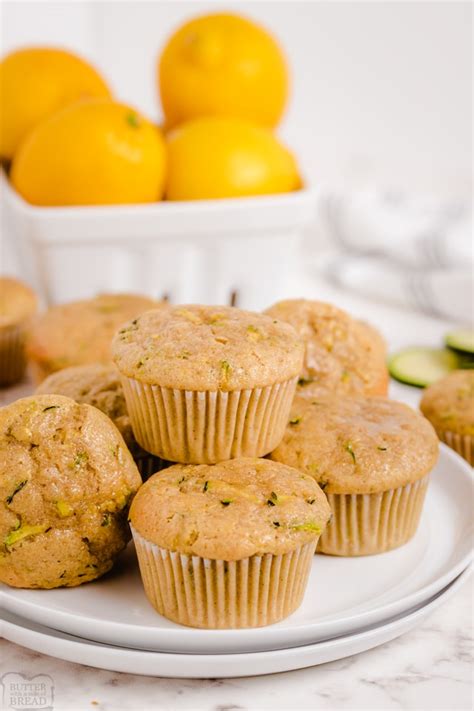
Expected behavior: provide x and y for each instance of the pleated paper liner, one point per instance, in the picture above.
(217, 594)
(363, 524)
(208, 426)
(462, 444)
(12, 354)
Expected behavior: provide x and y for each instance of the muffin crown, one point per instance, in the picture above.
(230, 511)
(342, 354)
(449, 403)
(358, 445)
(66, 479)
(94, 384)
(207, 348)
(17, 301)
(80, 332)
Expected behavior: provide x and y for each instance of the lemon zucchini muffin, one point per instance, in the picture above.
(100, 386)
(227, 545)
(449, 405)
(372, 457)
(17, 306)
(80, 332)
(207, 383)
(343, 355)
(66, 480)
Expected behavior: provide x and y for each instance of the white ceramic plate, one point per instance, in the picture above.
(343, 595)
(74, 649)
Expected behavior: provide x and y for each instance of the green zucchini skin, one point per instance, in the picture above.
(461, 340)
(420, 366)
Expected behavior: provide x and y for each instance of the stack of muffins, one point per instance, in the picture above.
(260, 428)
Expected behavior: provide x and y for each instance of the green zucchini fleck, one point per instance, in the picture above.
(80, 459)
(308, 526)
(305, 381)
(349, 449)
(23, 532)
(18, 488)
(226, 369)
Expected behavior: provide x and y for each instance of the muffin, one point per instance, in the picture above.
(449, 405)
(343, 355)
(17, 306)
(80, 332)
(66, 479)
(227, 545)
(208, 383)
(372, 458)
(100, 386)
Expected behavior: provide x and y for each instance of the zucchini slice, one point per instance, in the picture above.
(461, 340)
(422, 366)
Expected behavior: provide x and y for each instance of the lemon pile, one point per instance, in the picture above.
(223, 84)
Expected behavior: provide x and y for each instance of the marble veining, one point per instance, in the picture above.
(429, 668)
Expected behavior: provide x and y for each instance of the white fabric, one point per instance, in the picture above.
(411, 253)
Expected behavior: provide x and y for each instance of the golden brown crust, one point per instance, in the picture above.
(358, 445)
(96, 385)
(343, 355)
(449, 403)
(230, 511)
(207, 348)
(17, 302)
(101, 387)
(66, 478)
(80, 332)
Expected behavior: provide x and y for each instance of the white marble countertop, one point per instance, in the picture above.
(426, 669)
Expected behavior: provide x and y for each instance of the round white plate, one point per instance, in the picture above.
(343, 595)
(203, 666)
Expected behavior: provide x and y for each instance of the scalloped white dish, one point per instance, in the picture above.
(343, 595)
(202, 666)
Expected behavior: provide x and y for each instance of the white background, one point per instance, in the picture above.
(381, 90)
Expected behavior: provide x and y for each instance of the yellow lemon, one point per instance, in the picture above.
(36, 82)
(223, 65)
(96, 152)
(220, 157)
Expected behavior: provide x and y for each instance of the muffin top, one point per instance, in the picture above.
(358, 445)
(342, 354)
(62, 466)
(207, 348)
(449, 403)
(81, 331)
(97, 385)
(231, 510)
(17, 301)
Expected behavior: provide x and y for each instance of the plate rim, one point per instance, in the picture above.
(364, 640)
(33, 611)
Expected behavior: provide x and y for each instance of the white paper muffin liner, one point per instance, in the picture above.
(205, 427)
(12, 354)
(462, 444)
(363, 524)
(218, 594)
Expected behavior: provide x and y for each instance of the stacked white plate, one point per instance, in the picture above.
(351, 604)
